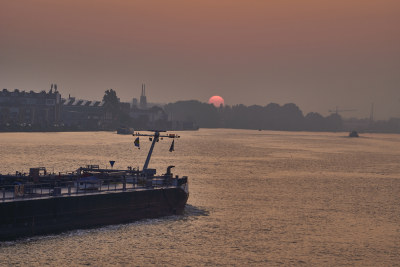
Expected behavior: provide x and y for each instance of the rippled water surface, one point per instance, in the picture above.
(256, 197)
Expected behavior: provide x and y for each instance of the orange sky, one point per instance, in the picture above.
(317, 54)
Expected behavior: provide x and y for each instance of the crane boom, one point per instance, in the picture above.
(156, 135)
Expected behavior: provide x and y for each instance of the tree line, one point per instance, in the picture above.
(273, 116)
(287, 117)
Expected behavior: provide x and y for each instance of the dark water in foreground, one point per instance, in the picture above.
(258, 198)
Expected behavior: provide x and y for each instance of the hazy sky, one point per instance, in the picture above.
(318, 54)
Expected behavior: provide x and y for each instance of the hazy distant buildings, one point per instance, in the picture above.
(84, 114)
(43, 111)
(134, 103)
(20, 111)
(20, 108)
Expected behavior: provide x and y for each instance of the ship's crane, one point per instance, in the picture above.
(155, 136)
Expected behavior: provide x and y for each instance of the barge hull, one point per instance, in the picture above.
(57, 214)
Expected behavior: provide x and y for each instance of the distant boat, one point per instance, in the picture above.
(353, 134)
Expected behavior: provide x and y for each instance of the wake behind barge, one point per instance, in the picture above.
(41, 203)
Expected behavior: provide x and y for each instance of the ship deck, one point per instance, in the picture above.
(43, 191)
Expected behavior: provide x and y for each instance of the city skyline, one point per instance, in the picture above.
(315, 54)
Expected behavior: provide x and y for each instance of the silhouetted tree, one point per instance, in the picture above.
(111, 102)
(271, 116)
(314, 122)
(291, 118)
(113, 106)
(204, 115)
(334, 122)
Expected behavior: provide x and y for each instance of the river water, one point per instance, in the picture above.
(256, 198)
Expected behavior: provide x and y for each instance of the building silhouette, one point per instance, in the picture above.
(84, 114)
(21, 108)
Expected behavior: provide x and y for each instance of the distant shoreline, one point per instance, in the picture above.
(258, 130)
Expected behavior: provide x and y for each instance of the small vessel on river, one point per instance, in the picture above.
(353, 134)
(41, 203)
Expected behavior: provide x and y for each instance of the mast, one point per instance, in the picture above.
(156, 136)
(155, 139)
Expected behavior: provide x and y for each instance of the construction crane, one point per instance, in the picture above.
(337, 110)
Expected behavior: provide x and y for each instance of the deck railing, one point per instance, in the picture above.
(70, 188)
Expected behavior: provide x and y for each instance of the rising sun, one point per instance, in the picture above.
(217, 101)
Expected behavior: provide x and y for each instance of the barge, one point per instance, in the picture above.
(41, 203)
